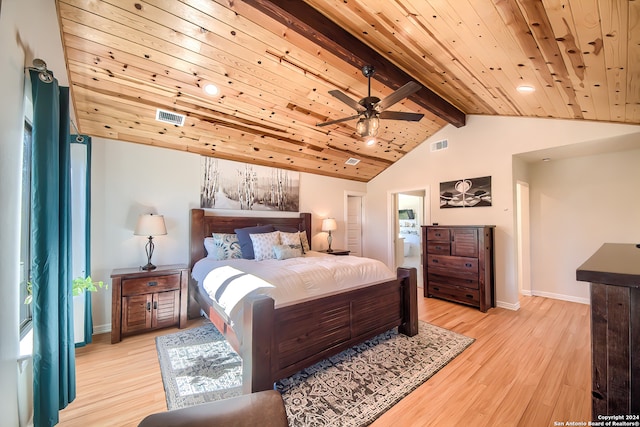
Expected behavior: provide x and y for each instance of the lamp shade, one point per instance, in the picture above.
(329, 224)
(150, 225)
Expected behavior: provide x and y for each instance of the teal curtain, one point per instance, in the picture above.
(53, 347)
(88, 318)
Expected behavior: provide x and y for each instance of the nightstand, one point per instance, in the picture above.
(145, 300)
(337, 252)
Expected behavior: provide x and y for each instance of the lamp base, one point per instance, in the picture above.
(148, 267)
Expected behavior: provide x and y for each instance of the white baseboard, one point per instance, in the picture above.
(508, 306)
(561, 297)
(101, 329)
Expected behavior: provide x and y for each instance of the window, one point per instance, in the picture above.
(25, 231)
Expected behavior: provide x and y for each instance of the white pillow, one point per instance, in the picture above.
(222, 246)
(210, 246)
(290, 238)
(287, 251)
(263, 244)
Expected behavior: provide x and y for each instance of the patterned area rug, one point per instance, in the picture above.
(352, 388)
(198, 365)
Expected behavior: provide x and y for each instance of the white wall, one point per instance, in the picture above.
(28, 29)
(577, 204)
(131, 179)
(483, 147)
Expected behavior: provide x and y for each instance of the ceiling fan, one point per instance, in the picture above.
(371, 108)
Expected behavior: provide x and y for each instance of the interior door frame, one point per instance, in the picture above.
(392, 217)
(363, 215)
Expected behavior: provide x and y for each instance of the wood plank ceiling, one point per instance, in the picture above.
(275, 62)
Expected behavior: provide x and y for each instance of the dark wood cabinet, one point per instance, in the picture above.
(459, 264)
(145, 300)
(614, 276)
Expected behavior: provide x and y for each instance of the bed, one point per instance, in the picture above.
(276, 342)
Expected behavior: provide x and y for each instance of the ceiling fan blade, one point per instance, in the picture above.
(398, 95)
(400, 115)
(333, 122)
(347, 100)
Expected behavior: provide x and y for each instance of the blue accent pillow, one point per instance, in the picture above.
(246, 244)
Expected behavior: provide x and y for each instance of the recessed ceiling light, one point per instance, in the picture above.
(370, 141)
(525, 89)
(211, 89)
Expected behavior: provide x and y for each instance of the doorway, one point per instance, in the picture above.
(409, 214)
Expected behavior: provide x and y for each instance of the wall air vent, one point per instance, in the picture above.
(351, 161)
(439, 145)
(170, 117)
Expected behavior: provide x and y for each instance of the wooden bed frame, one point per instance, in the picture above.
(277, 342)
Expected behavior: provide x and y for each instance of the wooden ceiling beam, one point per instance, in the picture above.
(308, 22)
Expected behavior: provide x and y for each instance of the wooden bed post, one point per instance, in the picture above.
(409, 324)
(256, 344)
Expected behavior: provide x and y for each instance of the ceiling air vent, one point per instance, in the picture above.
(169, 117)
(351, 161)
(439, 145)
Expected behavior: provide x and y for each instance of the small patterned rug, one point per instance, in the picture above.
(352, 388)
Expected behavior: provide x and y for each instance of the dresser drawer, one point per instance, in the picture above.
(455, 293)
(468, 283)
(438, 234)
(465, 268)
(145, 285)
(439, 248)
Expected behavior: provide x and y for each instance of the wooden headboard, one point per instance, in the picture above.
(202, 226)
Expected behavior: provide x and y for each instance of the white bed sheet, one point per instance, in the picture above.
(287, 281)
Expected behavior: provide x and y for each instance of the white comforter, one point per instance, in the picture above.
(286, 281)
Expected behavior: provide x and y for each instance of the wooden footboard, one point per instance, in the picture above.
(282, 341)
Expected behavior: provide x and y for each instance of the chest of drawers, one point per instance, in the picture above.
(459, 264)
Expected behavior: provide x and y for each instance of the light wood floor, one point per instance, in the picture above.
(526, 368)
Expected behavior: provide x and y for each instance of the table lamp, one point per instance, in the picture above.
(329, 224)
(150, 225)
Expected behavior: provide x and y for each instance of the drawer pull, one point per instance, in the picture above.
(597, 395)
(434, 260)
(148, 306)
(154, 283)
(435, 288)
(467, 264)
(469, 296)
(155, 305)
(439, 248)
(438, 234)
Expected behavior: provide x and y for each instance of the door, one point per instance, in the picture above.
(354, 225)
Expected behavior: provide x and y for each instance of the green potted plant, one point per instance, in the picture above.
(79, 285)
(87, 284)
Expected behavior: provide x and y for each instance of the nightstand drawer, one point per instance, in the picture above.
(145, 285)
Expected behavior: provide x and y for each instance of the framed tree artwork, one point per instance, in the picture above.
(232, 185)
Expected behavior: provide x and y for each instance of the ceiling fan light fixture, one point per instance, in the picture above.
(368, 126)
